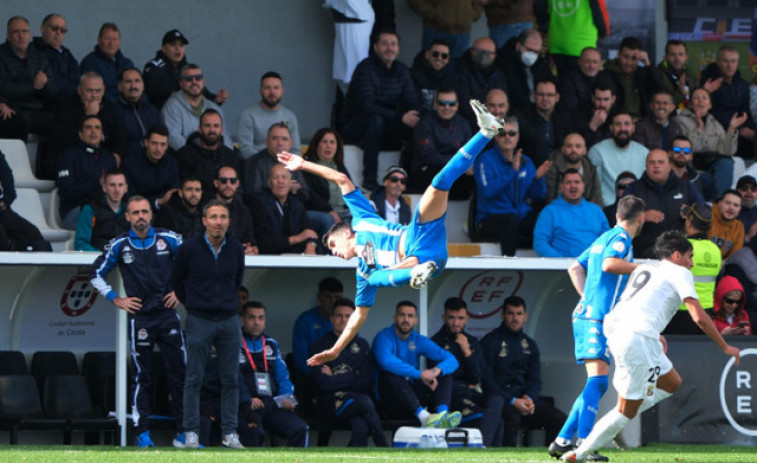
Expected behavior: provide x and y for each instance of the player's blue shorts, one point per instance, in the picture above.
(427, 241)
(590, 341)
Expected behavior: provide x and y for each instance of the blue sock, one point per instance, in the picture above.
(460, 162)
(571, 424)
(593, 391)
(390, 278)
(442, 408)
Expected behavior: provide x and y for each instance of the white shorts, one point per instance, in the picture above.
(639, 362)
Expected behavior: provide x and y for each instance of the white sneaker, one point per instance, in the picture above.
(192, 440)
(489, 124)
(231, 441)
(421, 273)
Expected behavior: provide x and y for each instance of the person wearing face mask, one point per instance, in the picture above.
(522, 67)
(476, 74)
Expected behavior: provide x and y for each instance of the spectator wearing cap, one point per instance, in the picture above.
(664, 194)
(707, 261)
(624, 179)
(388, 200)
(747, 186)
(107, 59)
(255, 120)
(162, 74)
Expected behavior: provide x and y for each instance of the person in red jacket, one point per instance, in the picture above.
(730, 316)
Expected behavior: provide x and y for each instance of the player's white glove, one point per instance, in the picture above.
(490, 125)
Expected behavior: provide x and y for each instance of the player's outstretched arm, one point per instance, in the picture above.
(708, 326)
(356, 320)
(295, 162)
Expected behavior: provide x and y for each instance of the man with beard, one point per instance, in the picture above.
(570, 223)
(136, 113)
(162, 74)
(726, 230)
(153, 173)
(182, 107)
(381, 106)
(656, 129)
(226, 184)
(572, 155)
(183, 213)
(255, 120)
(405, 390)
(476, 74)
(747, 186)
(617, 154)
(666, 196)
(432, 70)
(145, 257)
(681, 154)
(595, 122)
(205, 152)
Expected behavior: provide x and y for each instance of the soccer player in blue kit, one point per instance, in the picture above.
(599, 275)
(392, 255)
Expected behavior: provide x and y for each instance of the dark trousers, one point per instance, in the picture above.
(511, 233)
(284, 423)
(374, 132)
(144, 333)
(478, 412)
(401, 398)
(358, 411)
(545, 417)
(16, 233)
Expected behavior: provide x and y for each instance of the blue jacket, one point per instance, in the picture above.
(565, 230)
(500, 190)
(280, 383)
(80, 168)
(145, 266)
(151, 179)
(351, 371)
(309, 327)
(514, 362)
(401, 358)
(108, 68)
(136, 120)
(207, 285)
(64, 66)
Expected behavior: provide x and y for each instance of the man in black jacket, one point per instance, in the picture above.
(183, 213)
(432, 70)
(515, 376)
(467, 393)
(16, 233)
(65, 67)
(137, 115)
(226, 184)
(522, 67)
(207, 274)
(153, 172)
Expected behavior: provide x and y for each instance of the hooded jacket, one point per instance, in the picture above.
(726, 285)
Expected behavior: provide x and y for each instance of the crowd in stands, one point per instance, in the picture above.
(579, 134)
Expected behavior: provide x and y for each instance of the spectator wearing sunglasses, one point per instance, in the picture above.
(240, 228)
(431, 70)
(182, 107)
(388, 200)
(622, 181)
(747, 186)
(730, 312)
(681, 154)
(64, 66)
(436, 138)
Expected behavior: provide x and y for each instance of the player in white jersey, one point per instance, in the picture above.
(391, 255)
(644, 375)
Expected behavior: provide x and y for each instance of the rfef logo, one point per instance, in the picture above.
(486, 289)
(737, 392)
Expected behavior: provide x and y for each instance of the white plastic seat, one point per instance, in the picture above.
(353, 161)
(29, 206)
(18, 160)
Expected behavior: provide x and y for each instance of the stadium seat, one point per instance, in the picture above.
(353, 161)
(18, 160)
(67, 397)
(99, 369)
(49, 363)
(13, 362)
(21, 408)
(29, 205)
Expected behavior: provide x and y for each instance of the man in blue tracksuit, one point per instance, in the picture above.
(398, 349)
(391, 254)
(266, 395)
(343, 385)
(145, 257)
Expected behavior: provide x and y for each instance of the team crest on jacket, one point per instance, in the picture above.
(161, 245)
(268, 351)
(127, 256)
(355, 348)
(78, 297)
(142, 334)
(411, 345)
(503, 351)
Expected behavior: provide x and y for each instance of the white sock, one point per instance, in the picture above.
(423, 416)
(659, 396)
(605, 429)
(562, 441)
